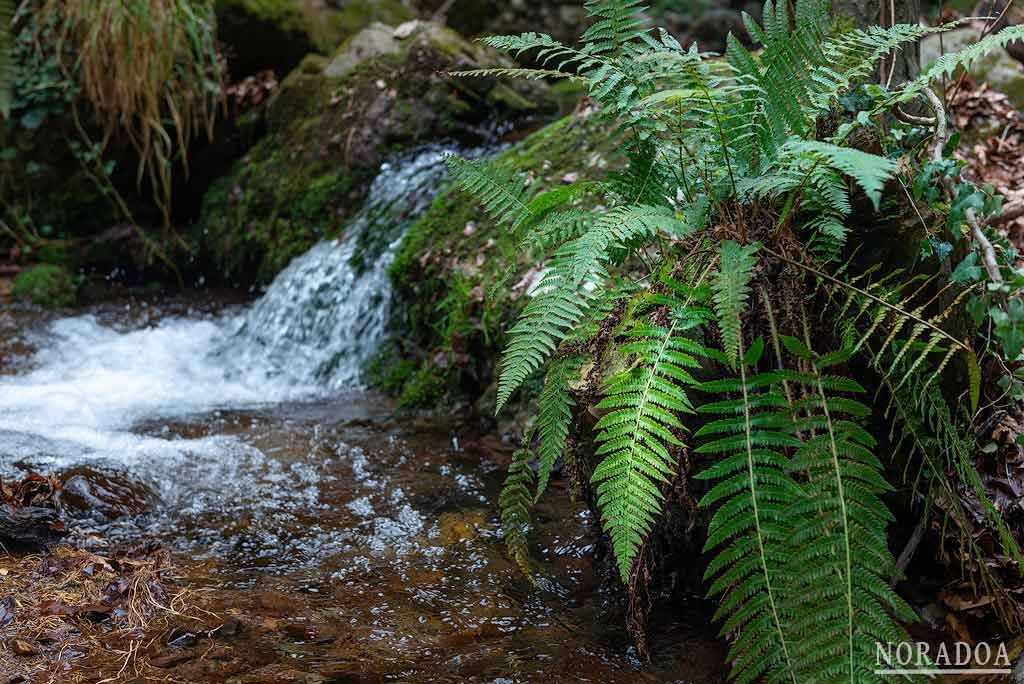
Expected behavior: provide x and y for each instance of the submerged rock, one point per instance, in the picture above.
(330, 126)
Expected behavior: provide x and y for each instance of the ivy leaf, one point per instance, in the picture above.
(968, 271)
(967, 197)
(1010, 328)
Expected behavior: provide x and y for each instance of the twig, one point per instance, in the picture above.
(988, 252)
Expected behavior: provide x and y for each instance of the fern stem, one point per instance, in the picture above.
(840, 490)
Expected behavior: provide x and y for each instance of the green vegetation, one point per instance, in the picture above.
(45, 285)
(712, 292)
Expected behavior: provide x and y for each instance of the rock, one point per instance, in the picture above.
(45, 285)
(23, 647)
(1001, 71)
(107, 495)
(277, 35)
(449, 259)
(331, 124)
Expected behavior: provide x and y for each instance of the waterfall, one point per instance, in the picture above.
(93, 391)
(327, 313)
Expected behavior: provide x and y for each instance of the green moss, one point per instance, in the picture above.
(446, 268)
(388, 372)
(328, 136)
(45, 285)
(425, 387)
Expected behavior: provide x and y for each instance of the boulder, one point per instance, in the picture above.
(277, 34)
(330, 126)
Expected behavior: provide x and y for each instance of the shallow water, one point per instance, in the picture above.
(353, 544)
(373, 535)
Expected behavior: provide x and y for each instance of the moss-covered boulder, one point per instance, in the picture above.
(451, 317)
(277, 34)
(331, 124)
(45, 285)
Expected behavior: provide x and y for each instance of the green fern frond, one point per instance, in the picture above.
(948, 64)
(559, 302)
(554, 415)
(750, 528)
(731, 290)
(617, 24)
(640, 428)
(510, 72)
(500, 190)
(843, 529)
(870, 171)
(514, 502)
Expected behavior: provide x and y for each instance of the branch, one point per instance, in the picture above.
(988, 252)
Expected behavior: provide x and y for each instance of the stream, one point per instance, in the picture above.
(367, 543)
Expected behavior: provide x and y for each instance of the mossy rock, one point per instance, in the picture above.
(447, 265)
(331, 125)
(277, 34)
(45, 285)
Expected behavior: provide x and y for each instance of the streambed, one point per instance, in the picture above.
(353, 545)
(322, 537)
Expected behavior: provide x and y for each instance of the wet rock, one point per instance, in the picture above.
(109, 495)
(23, 647)
(331, 124)
(277, 35)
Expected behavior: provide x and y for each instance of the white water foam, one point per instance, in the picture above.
(90, 387)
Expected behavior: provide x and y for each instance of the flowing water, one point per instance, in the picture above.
(358, 546)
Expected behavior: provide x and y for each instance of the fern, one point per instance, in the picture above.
(843, 531)
(501, 193)
(641, 426)
(734, 159)
(514, 502)
(751, 526)
(732, 289)
(554, 415)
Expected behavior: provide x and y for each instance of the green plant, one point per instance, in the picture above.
(742, 178)
(45, 285)
(150, 72)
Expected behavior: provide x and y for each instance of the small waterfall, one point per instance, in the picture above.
(326, 314)
(91, 388)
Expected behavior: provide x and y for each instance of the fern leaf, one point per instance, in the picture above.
(560, 301)
(514, 502)
(637, 434)
(732, 289)
(500, 190)
(870, 171)
(843, 529)
(554, 416)
(750, 527)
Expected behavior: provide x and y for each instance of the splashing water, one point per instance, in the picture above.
(91, 386)
(324, 317)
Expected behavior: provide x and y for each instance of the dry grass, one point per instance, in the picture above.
(87, 617)
(150, 71)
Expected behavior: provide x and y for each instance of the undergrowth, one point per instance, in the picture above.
(716, 288)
